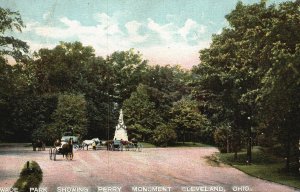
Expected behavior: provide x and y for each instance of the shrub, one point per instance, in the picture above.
(30, 176)
(164, 136)
(221, 136)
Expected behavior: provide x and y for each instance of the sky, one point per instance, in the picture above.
(163, 31)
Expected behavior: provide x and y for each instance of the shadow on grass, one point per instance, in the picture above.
(264, 166)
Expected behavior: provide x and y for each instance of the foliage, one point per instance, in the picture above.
(128, 69)
(140, 115)
(164, 135)
(166, 85)
(9, 46)
(187, 120)
(38, 110)
(31, 176)
(222, 137)
(249, 76)
(61, 69)
(70, 115)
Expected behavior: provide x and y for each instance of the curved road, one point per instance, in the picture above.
(171, 167)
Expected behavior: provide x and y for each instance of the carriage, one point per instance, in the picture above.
(38, 145)
(64, 149)
(96, 143)
(120, 145)
(134, 146)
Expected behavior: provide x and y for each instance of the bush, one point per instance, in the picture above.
(30, 176)
(164, 136)
(220, 137)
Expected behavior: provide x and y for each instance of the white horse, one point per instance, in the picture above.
(87, 143)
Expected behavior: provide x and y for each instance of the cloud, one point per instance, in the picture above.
(133, 32)
(176, 53)
(46, 15)
(191, 27)
(167, 43)
(165, 32)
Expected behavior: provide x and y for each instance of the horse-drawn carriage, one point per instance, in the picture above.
(62, 148)
(120, 145)
(38, 145)
(96, 143)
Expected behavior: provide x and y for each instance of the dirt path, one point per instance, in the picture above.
(171, 167)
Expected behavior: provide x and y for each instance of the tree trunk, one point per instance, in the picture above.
(235, 150)
(227, 147)
(298, 165)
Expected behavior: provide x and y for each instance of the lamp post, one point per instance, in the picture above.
(249, 152)
(227, 140)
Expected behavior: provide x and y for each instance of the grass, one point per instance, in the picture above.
(190, 144)
(147, 145)
(264, 166)
(178, 144)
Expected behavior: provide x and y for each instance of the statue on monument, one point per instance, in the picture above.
(121, 130)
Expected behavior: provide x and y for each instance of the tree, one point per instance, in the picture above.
(187, 120)
(128, 70)
(70, 115)
(250, 73)
(61, 69)
(164, 135)
(166, 85)
(10, 47)
(140, 115)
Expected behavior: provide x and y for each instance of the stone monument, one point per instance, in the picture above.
(121, 130)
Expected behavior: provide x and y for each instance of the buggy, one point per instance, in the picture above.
(65, 149)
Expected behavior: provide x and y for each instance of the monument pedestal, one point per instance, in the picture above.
(121, 130)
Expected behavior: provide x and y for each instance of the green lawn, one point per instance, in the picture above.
(178, 144)
(189, 144)
(264, 166)
(147, 145)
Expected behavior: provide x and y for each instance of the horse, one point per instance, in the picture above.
(87, 143)
(40, 145)
(126, 144)
(67, 149)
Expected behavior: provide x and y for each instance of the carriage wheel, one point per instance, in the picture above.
(54, 151)
(50, 153)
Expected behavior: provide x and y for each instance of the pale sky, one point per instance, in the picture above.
(164, 31)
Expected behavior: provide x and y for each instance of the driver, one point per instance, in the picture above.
(57, 143)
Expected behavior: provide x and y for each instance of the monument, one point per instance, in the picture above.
(121, 130)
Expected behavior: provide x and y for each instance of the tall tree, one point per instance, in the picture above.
(140, 115)
(187, 120)
(10, 49)
(70, 115)
(128, 70)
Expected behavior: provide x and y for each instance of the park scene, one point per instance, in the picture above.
(135, 96)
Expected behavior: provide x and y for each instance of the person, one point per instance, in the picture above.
(57, 143)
